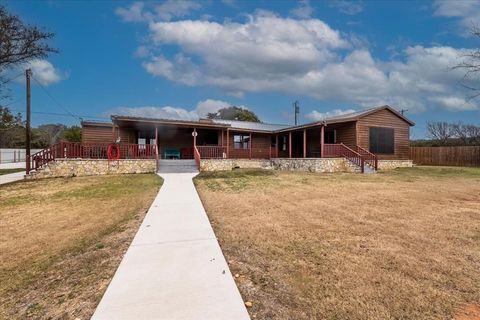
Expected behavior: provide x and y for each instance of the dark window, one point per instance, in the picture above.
(330, 137)
(382, 140)
(284, 143)
(241, 141)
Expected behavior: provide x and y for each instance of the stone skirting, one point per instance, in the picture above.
(393, 164)
(297, 164)
(91, 167)
(229, 164)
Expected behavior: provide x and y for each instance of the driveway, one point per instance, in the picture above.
(174, 268)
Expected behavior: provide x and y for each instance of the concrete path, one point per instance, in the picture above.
(174, 268)
(12, 165)
(11, 177)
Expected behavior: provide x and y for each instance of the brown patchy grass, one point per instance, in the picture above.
(398, 245)
(61, 241)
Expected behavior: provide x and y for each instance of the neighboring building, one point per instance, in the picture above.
(382, 131)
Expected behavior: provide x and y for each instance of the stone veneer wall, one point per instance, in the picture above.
(90, 167)
(297, 164)
(392, 164)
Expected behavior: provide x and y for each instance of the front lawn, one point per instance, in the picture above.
(398, 245)
(62, 239)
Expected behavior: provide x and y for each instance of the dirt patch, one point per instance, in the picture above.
(468, 312)
(62, 240)
(399, 245)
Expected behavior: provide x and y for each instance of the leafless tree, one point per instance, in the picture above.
(471, 65)
(19, 43)
(441, 131)
(473, 133)
(460, 132)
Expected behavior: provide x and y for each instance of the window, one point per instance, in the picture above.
(330, 136)
(284, 143)
(241, 141)
(382, 140)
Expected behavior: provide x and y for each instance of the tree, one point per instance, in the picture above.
(12, 131)
(441, 131)
(471, 65)
(50, 133)
(20, 43)
(234, 113)
(72, 134)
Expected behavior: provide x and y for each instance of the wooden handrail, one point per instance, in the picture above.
(196, 156)
(369, 157)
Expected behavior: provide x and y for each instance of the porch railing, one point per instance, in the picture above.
(67, 150)
(212, 152)
(341, 150)
(370, 158)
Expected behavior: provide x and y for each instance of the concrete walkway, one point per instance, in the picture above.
(11, 177)
(174, 268)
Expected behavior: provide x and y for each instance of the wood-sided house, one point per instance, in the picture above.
(382, 132)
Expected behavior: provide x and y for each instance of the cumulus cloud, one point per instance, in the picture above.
(176, 113)
(268, 53)
(468, 12)
(139, 12)
(303, 11)
(44, 72)
(317, 116)
(347, 7)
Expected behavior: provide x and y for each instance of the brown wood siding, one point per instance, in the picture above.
(464, 156)
(385, 119)
(96, 134)
(346, 133)
(260, 146)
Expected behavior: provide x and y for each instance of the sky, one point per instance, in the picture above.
(183, 59)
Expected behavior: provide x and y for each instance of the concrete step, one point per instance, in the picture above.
(177, 166)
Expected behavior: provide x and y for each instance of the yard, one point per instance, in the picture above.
(8, 171)
(62, 239)
(398, 245)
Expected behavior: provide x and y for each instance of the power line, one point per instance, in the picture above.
(55, 100)
(11, 79)
(61, 114)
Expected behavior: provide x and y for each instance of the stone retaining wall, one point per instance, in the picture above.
(229, 164)
(384, 165)
(90, 167)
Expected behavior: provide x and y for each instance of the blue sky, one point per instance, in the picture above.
(182, 59)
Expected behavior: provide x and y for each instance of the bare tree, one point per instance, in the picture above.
(442, 131)
(471, 65)
(20, 43)
(473, 133)
(460, 132)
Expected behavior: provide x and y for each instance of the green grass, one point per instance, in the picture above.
(7, 171)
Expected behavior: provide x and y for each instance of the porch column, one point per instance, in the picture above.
(194, 137)
(113, 133)
(290, 144)
(250, 145)
(276, 146)
(304, 143)
(228, 143)
(156, 146)
(322, 138)
(222, 138)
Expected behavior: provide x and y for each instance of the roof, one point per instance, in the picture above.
(96, 123)
(248, 125)
(253, 126)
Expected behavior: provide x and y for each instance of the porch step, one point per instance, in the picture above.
(177, 166)
(368, 169)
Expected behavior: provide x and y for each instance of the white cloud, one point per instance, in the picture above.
(468, 12)
(317, 116)
(268, 53)
(139, 12)
(303, 11)
(347, 7)
(176, 113)
(44, 72)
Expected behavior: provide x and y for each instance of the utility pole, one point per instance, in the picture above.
(297, 111)
(28, 73)
(403, 111)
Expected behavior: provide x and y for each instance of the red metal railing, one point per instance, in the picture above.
(341, 150)
(67, 150)
(212, 152)
(369, 157)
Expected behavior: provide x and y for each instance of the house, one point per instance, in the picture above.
(380, 131)
(364, 141)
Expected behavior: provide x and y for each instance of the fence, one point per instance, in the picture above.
(8, 155)
(467, 156)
